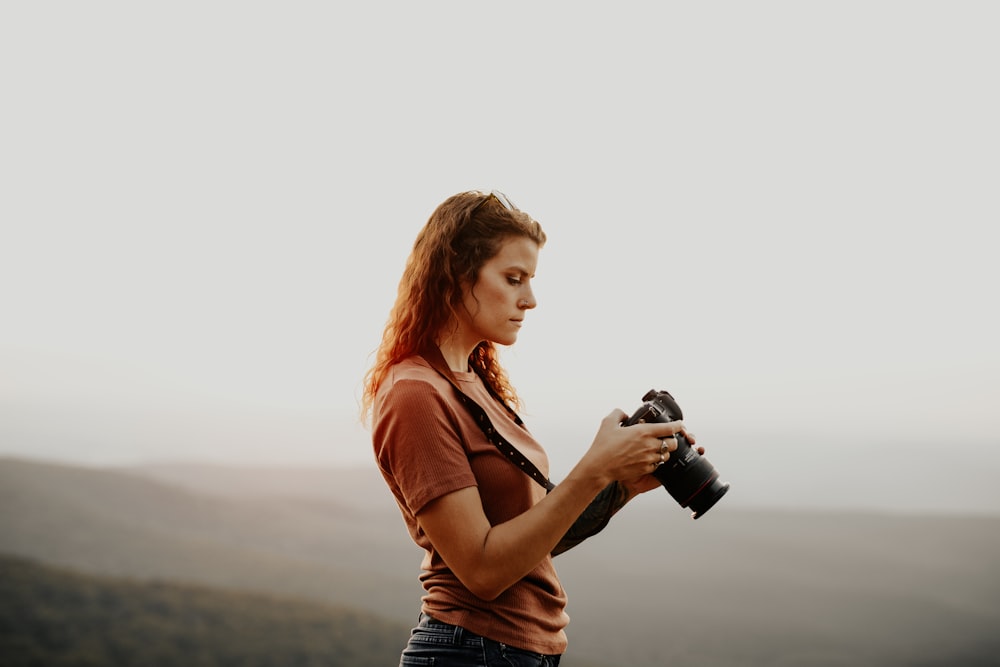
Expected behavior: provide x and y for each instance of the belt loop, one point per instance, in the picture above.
(457, 638)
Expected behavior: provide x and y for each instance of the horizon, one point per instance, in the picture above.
(869, 487)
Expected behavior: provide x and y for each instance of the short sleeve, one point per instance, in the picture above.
(419, 444)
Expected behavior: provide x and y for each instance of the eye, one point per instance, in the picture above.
(513, 280)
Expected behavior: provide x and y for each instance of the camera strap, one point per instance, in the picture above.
(436, 361)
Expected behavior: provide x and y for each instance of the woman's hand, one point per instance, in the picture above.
(629, 454)
(649, 482)
(488, 559)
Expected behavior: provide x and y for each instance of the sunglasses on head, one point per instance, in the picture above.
(500, 197)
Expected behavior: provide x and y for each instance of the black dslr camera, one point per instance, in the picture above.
(686, 475)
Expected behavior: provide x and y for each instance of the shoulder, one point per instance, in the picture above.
(413, 374)
(418, 434)
(413, 368)
(413, 385)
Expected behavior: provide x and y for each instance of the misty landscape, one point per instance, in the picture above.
(783, 213)
(325, 549)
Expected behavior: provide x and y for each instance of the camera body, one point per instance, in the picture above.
(687, 475)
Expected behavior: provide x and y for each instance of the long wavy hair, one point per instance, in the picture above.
(464, 232)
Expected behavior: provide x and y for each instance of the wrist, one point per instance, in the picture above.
(591, 481)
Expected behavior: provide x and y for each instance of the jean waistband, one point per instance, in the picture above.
(459, 634)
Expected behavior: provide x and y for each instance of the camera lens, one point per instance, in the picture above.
(687, 475)
(691, 479)
(708, 496)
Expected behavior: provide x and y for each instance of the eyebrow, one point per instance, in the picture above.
(520, 269)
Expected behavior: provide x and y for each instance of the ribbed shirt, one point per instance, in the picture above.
(428, 445)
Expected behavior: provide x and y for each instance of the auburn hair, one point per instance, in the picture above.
(464, 232)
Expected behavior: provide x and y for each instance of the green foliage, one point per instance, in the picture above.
(57, 618)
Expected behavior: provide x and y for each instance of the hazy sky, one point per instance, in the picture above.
(783, 212)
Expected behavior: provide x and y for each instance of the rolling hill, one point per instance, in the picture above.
(736, 587)
(55, 617)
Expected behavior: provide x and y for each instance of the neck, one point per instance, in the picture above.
(456, 348)
(455, 355)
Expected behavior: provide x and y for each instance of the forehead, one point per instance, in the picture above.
(517, 252)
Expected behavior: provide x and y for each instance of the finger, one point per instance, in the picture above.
(617, 416)
(661, 429)
(668, 444)
(662, 454)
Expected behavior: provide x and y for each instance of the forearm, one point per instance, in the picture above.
(514, 548)
(488, 559)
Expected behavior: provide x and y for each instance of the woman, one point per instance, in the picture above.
(455, 454)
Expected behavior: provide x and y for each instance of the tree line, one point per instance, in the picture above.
(54, 617)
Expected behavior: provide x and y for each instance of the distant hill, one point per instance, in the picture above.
(55, 617)
(733, 588)
(359, 487)
(125, 524)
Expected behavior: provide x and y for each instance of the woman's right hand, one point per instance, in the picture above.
(625, 453)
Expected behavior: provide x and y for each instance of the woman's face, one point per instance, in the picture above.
(495, 305)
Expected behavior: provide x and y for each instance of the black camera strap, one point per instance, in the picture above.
(436, 361)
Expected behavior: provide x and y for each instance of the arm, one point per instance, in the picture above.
(605, 505)
(489, 559)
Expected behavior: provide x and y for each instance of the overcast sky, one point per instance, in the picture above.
(783, 212)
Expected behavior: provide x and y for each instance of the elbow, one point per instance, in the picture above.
(485, 588)
(485, 582)
(490, 570)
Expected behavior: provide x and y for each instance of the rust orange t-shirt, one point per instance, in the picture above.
(428, 445)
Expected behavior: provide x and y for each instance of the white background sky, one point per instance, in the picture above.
(783, 212)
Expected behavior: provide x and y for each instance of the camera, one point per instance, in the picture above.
(686, 475)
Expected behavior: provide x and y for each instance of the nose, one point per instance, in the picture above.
(528, 302)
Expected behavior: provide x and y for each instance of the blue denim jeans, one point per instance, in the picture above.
(437, 644)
